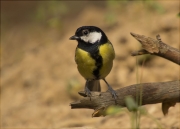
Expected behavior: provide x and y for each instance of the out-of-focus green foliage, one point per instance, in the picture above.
(112, 110)
(73, 87)
(113, 10)
(154, 6)
(147, 58)
(110, 18)
(115, 4)
(51, 13)
(131, 104)
(135, 113)
(150, 4)
(178, 14)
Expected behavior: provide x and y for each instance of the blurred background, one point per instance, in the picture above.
(39, 78)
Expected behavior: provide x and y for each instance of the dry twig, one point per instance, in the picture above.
(156, 47)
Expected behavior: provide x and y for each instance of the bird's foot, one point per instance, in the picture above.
(113, 93)
(87, 92)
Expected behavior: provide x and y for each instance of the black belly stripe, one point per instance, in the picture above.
(99, 62)
(93, 50)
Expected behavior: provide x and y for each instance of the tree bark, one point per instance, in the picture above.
(151, 93)
(156, 47)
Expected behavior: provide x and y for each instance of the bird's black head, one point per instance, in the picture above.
(90, 35)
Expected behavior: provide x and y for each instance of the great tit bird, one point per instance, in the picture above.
(94, 57)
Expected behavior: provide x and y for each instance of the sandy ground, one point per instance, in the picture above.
(39, 78)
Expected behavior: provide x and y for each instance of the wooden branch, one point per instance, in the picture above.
(151, 93)
(167, 93)
(156, 47)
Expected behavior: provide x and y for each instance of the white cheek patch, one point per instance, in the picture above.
(92, 37)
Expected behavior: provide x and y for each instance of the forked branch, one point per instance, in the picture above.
(156, 47)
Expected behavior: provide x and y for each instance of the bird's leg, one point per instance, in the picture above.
(87, 91)
(113, 93)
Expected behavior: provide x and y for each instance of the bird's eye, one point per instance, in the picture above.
(85, 32)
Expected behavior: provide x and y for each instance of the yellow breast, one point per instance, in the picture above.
(85, 63)
(108, 55)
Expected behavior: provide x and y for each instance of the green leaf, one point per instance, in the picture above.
(178, 14)
(112, 110)
(131, 104)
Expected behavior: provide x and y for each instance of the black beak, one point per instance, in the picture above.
(74, 37)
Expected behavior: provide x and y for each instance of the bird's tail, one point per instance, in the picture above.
(94, 85)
